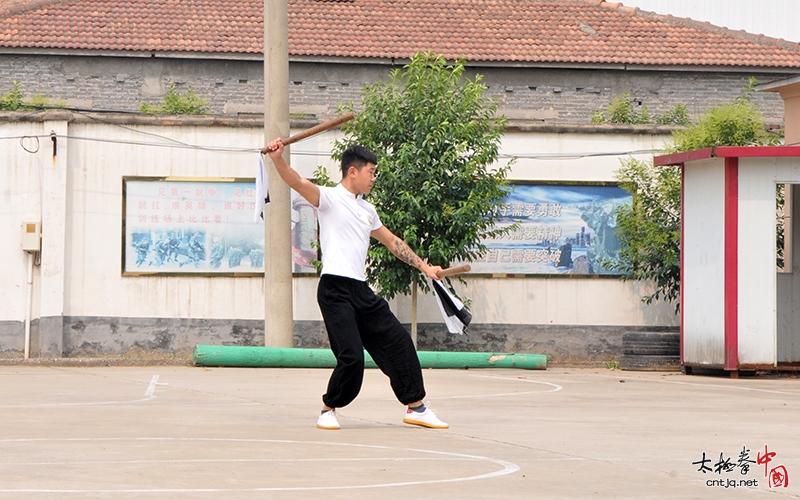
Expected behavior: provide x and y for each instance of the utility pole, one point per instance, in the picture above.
(278, 310)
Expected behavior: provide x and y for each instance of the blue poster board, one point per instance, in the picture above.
(174, 226)
(563, 229)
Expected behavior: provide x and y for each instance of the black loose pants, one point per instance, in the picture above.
(357, 319)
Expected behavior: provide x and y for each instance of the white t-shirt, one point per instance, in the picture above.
(345, 224)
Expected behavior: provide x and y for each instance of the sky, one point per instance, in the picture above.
(775, 18)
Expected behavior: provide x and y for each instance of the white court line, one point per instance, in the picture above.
(507, 467)
(148, 395)
(755, 389)
(555, 388)
(151, 389)
(54, 405)
(236, 460)
(122, 403)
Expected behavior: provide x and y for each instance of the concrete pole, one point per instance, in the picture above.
(278, 311)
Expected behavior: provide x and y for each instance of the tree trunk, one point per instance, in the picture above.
(414, 313)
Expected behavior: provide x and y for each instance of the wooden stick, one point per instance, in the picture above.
(453, 270)
(316, 129)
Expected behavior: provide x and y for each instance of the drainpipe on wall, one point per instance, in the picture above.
(31, 245)
(28, 301)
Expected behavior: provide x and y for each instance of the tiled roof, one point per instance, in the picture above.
(139, 25)
(501, 31)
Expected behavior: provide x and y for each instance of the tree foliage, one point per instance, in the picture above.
(175, 103)
(15, 101)
(649, 228)
(12, 101)
(738, 123)
(622, 111)
(436, 139)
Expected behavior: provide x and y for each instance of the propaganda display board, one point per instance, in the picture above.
(207, 226)
(562, 229)
(204, 226)
(186, 226)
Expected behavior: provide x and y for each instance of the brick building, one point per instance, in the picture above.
(549, 61)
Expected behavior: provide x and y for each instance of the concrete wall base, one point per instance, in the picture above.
(99, 336)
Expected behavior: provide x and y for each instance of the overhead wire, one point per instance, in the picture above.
(160, 136)
(174, 143)
(171, 142)
(575, 156)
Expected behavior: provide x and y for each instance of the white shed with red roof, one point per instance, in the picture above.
(738, 312)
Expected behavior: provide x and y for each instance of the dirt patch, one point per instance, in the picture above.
(135, 356)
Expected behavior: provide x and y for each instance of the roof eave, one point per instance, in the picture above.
(257, 56)
(778, 85)
(557, 65)
(698, 68)
(143, 54)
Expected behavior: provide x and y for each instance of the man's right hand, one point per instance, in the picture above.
(275, 148)
(303, 186)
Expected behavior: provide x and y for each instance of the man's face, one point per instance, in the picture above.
(364, 179)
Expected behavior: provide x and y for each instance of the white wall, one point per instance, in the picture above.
(703, 285)
(559, 301)
(96, 170)
(91, 271)
(552, 301)
(756, 267)
(574, 156)
(20, 187)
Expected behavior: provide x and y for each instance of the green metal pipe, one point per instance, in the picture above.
(283, 357)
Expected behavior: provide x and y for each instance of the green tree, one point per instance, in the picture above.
(437, 140)
(649, 228)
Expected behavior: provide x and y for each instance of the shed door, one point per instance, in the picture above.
(788, 304)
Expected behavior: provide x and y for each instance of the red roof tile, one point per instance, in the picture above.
(510, 31)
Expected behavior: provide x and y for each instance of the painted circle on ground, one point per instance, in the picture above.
(550, 388)
(129, 462)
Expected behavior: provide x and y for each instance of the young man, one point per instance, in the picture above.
(357, 319)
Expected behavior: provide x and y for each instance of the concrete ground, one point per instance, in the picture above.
(179, 432)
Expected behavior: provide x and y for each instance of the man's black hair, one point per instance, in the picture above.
(357, 156)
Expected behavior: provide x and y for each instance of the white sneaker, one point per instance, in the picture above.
(327, 420)
(424, 418)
